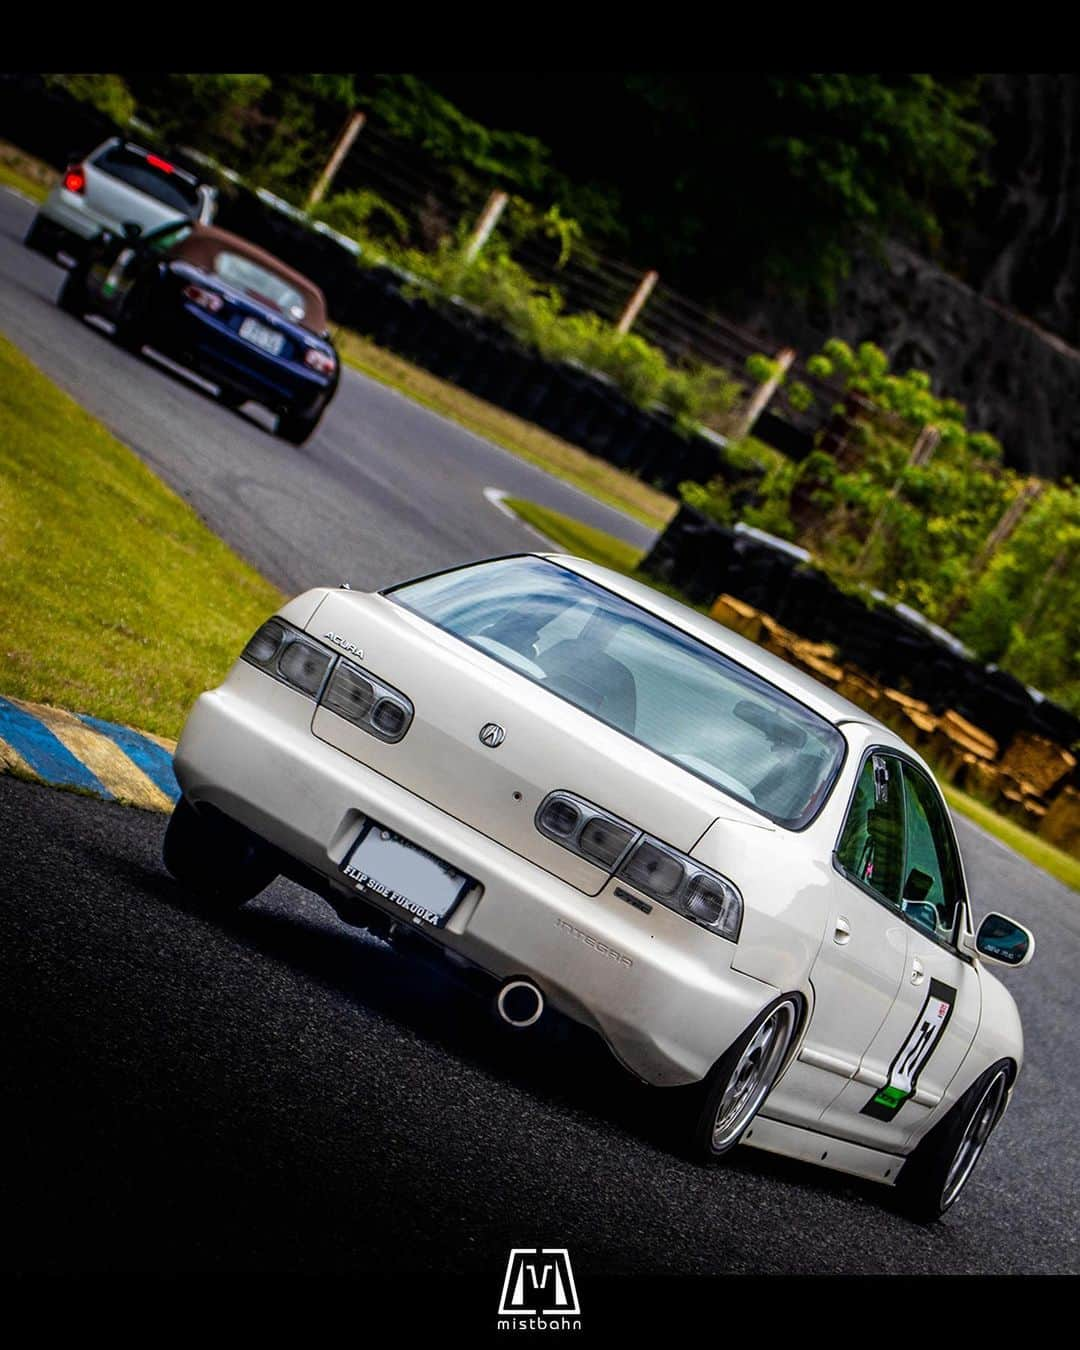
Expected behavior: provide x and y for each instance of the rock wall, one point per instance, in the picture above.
(1019, 244)
(1017, 380)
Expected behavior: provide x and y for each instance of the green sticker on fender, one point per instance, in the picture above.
(919, 1044)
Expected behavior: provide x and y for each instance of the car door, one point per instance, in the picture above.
(864, 953)
(109, 272)
(117, 263)
(932, 1023)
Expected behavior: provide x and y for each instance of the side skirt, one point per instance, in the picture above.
(774, 1136)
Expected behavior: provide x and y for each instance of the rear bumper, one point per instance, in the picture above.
(53, 238)
(660, 990)
(218, 354)
(69, 215)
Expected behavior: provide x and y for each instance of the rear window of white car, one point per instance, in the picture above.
(643, 676)
(259, 282)
(140, 171)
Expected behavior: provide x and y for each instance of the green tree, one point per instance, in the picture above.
(108, 93)
(730, 181)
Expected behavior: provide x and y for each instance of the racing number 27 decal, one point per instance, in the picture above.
(917, 1048)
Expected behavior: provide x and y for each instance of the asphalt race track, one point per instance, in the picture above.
(383, 491)
(276, 1091)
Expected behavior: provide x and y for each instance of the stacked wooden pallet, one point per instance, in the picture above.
(1025, 782)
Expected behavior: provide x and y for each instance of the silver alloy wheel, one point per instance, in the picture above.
(753, 1075)
(973, 1141)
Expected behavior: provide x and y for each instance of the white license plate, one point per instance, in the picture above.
(262, 337)
(417, 882)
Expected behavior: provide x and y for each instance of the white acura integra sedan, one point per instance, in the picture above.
(589, 795)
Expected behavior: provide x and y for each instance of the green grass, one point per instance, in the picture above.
(115, 599)
(11, 177)
(598, 547)
(571, 536)
(1061, 865)
(524, 439)
(25, 173)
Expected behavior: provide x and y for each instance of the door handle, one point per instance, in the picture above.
(917, 972)
(841, 930)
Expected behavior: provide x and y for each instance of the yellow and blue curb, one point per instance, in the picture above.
(70, 750)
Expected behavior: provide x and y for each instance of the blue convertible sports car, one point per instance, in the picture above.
(219, 305)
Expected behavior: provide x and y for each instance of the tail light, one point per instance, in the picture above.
(283, 652)
(656, 869)
(323, 362)
(74, 178)
(205, 299)
(365, 701)
(288, 655)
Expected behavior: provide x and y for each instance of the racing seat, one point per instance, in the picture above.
(788, 785)
(593, 680)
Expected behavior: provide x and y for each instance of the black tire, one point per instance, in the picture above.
(131, 325)
(296, 427)
(215, 858)
(130, 334)
(71, 297)
(934, 1175)
(231, 398)
(741, 1080)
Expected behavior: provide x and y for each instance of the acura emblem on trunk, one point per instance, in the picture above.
(492, 734)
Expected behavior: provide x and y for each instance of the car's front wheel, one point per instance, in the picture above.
(214, 857)
(940, 1166)
(741, 1080)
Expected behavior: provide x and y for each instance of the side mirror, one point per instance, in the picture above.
(132, 230)
(1003, 941)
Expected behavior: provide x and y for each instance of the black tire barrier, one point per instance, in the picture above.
(705, 559)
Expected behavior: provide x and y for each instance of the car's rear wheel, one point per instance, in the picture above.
(37, 236)
(296, 427)
(130, 334)
(71, 297)
(132, 323)
(740, 1081)
(940, 1166)
(215, 858)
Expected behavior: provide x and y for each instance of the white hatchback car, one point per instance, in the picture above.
(589, 795)
(117, 184)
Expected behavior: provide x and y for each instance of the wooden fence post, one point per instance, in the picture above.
(921, 452)
(1007, 523)
(341, 149)
(637, 301)
(1049, 577)
(489, 218)
(764, 392)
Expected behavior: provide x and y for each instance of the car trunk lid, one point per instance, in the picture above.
(548, 743)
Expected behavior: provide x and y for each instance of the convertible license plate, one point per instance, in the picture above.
(409, 877)
(262, 337)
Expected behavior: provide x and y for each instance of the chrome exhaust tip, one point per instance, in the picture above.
(519, 1003)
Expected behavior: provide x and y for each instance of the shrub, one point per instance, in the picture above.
(363, 215)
